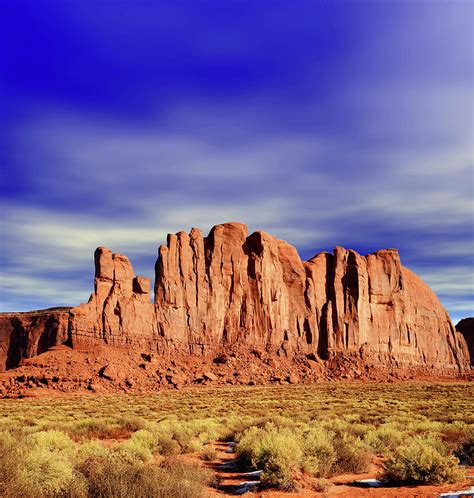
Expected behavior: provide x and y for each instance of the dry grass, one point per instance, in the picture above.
(322, 430)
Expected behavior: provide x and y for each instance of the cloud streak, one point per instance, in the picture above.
(321, 126)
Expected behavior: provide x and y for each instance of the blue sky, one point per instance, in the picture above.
(323, 122)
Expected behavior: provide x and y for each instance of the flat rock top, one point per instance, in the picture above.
(45, 311)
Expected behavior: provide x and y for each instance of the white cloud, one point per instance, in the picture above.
(140, 184)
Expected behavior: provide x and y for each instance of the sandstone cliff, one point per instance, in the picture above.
(231, 290)
(23, 335)
(466, 328)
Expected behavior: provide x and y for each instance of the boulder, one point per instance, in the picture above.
(210, 376)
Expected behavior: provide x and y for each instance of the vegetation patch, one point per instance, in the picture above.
(103, 445)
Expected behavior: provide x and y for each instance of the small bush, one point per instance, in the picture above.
(421, 460)
(322, 485)
(43, 473)
(91, 428)
(131, 424)
(465, 450)
(134, 450)
(209, 454)
(180, 432)
(111, 476)
(384, 440)
(319, 453)
(352, 455)
(277, 473)
(10, 461)
(275, 452)
(53, 441)
(167, 446)
(90, 449)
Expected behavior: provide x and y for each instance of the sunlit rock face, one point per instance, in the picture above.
(253, 292)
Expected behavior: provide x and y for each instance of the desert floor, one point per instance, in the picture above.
(321, 440)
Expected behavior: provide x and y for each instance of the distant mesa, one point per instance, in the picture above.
(232, 292)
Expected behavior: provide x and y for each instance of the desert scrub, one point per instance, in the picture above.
(10, 459)
(465, 449)
(276, 452)
(90, 428)
(321, 485)
(209, 454)
(352, 454)
(319, 455)
(137, 447)
(180, 431)
(422, 460)
(173, 436)
(385, 439)
(131, 423)
(112, 477)
(46, 467)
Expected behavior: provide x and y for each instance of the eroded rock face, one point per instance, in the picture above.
(252, 292)
(23, 335)
(119, 312)
(466, 328)
(231, 288)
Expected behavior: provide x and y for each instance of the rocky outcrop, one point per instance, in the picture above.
(119, 312)
(231, 290)
(466, 328)
(23, 335)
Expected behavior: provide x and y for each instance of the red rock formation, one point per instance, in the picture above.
(119, 311)
(23, 335)
(466, 328)
(231, 290)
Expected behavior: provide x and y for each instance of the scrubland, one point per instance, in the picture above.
(158, 444)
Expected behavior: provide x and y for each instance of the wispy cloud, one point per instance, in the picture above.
(136, 186)
(323, 125)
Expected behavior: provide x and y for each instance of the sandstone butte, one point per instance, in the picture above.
(231, 291)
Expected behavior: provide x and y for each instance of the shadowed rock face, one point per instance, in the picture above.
(230, 289)
(466, 328)
(23, 335)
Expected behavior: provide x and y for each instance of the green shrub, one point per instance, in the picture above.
(134, 450)
(41, 465)
(112, 477)
(422, 460)
(53, 441)
(385, 439)
(352, 454)
(90, 428)
(322, 485)
(277, 452)
(90, 449)
(43, 473)
(277, 473)
(209, 454)
(10, 461)
(319, 453)
(131, 424)
(166, 445)
(465, 449)
(180, 432)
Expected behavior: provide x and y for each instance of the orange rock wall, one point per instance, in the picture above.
(254, 292)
